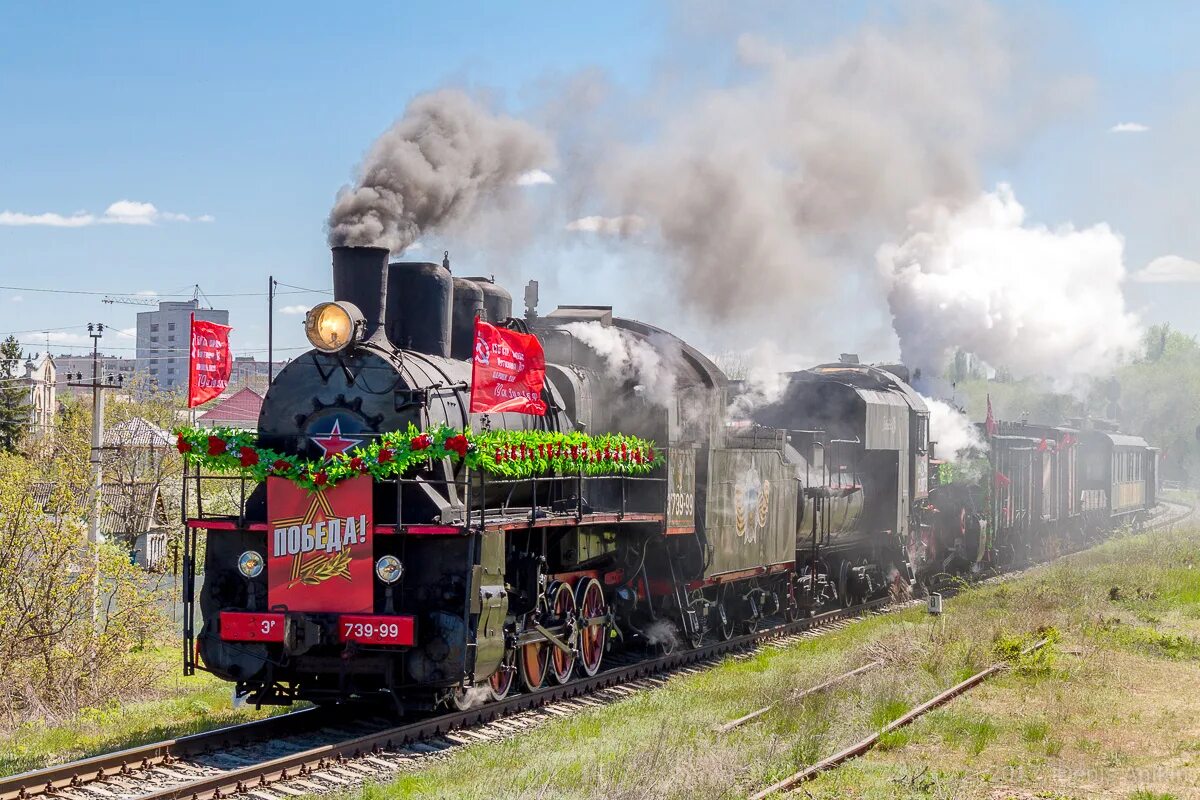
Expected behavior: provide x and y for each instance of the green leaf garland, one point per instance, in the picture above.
(505, 453)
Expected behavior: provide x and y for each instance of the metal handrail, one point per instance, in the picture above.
(471, 487)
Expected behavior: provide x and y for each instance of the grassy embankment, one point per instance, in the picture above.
(175, 707)
(1112, 709)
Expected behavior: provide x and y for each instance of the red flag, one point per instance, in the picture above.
(989, 424)
(507, 372)
(211, 361)
(1002, 479)
(1042, 446)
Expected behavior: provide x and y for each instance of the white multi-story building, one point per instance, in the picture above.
(162, 340)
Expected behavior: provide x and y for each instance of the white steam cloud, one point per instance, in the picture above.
(629, 358)
(1033, 299)
(952, 430)
(436, 166)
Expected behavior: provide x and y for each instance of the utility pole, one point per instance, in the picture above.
(96, 331)
(96, 459)
(270, 329)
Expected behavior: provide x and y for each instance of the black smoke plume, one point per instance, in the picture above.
(440, 162)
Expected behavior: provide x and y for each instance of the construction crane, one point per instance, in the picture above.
(153, 300)
(130, 301)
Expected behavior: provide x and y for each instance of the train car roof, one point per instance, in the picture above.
(1119, 439)
(1015, 439)
(872, 383)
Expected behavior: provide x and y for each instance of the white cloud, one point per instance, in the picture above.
(1169, 269)
(534, 177)
(147, 293)
(294, 310)
(68, 339)
(1129, 127)
(76, 220)
(610, 226)
(122, 212)
(131, 212)
(16, 298)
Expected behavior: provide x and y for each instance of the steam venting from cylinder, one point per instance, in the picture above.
(360, 277)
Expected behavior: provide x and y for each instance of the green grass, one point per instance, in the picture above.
(1070, 709)
(185, 705)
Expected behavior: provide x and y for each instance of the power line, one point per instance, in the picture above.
(153, 296)
(44, 330)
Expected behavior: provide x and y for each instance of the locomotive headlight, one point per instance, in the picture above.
(331, 326)
(250, 564)
(388, 569)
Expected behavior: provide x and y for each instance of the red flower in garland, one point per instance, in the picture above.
(216, 446)
(281, 467)
(320, 478)
(421, 442)
(385, 455)
(248, 457)
(182, 444)
(457, 444)
(499, 455)
(357, 464)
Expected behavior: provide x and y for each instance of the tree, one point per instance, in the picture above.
(14, 405)
(74, 616)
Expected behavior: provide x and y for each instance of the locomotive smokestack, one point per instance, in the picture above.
(360, 277)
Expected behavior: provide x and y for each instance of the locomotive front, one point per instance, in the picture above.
(308, 589)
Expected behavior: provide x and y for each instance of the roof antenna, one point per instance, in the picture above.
(446, 259)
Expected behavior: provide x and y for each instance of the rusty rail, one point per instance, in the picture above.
(857, 749)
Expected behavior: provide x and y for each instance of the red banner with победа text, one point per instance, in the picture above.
(319, 547)
(210, 363)
(508, 372)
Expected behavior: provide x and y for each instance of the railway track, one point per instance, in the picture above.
(321, 750)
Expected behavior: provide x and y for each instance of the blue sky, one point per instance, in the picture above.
(254, 114)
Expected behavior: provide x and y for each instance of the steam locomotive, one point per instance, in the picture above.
(471, 583)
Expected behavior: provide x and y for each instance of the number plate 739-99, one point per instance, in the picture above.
(391, 629)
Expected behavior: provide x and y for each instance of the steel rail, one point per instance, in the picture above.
(49, 779)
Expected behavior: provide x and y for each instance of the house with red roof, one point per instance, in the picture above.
(238, 410)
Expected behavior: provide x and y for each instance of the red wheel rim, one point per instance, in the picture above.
(534, 662)
(502, 679)
(591, 637)
(564, 609)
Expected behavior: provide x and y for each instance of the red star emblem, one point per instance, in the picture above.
(334, 442)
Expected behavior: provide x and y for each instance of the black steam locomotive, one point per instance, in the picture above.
(480, 582)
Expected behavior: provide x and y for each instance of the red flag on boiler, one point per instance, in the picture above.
(508, 372)
(989, 424)
(211, 362)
